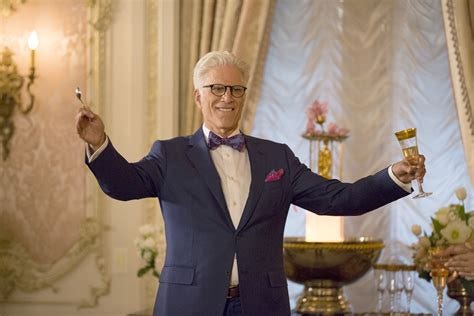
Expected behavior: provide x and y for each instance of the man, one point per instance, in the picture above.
(225, 207)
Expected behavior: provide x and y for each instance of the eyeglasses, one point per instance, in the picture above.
(219, 90)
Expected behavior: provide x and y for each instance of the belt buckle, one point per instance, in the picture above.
(233, 292)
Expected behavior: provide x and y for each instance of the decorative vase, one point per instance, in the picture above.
(457, 292)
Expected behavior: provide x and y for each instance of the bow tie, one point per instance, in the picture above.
(237, 142)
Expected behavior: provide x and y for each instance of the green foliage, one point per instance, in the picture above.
(436, 226)
(459, 210)
(143, 270)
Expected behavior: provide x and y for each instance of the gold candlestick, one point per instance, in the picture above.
(32, 58)
(33, 44)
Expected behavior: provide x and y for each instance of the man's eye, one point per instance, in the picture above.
(218, 89)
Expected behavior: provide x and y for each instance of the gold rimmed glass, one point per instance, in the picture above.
(408, 143)
(439, 274)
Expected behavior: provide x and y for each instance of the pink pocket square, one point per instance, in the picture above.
(274, 175)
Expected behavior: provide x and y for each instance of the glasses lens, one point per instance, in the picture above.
(237, 91)
(218, 89)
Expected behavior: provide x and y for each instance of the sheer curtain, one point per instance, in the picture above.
(381, 66)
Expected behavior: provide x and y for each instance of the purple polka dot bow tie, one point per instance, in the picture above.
(237, 142)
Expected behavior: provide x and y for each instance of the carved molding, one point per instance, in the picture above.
(100, 14)
(454, 41)
(7, 7)
(17, 269)
(456, 15)
(151, 206)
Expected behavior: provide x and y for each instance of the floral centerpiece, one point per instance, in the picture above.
(146, 243)
(317, 114)
(451, 225)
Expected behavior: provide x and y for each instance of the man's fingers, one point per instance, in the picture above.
(84, 117)
(453, 250)
(468, 273)
(453, 276)
(86, 112)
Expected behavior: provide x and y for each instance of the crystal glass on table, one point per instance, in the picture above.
(394, 286)
(408, 143)
(380, 276)
(409, 284)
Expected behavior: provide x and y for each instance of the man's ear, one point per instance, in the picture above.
(197, 97)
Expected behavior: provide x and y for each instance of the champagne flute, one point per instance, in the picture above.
(408, 143)
(439, 274)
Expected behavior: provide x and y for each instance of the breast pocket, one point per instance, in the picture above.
(273, 185)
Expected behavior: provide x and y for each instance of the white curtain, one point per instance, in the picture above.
(382, 66)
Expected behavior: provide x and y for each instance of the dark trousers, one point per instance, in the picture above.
(233, 307)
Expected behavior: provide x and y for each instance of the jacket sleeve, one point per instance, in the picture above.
(124, 181)
(333, 197)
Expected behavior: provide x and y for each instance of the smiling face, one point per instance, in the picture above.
(221, 114)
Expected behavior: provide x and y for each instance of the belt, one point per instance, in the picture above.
(233, 292)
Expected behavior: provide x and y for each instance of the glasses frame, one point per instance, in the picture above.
(231, 88)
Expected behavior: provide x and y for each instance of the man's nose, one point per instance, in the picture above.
(228, 94)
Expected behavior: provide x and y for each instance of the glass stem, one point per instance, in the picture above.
(398, 300)
(379, 302)
(420, 187)
(440, 302)
(392, 302)
(409, 294)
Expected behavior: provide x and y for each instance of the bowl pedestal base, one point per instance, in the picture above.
(322, 297)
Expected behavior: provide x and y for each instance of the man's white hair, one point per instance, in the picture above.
(216, 59)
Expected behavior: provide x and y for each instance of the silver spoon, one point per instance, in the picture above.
(79, 95)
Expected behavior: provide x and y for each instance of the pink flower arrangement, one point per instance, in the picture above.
(317, 113)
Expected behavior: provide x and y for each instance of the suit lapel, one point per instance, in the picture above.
(257, 169)
(200, 158)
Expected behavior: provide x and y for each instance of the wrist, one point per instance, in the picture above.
(97, 145)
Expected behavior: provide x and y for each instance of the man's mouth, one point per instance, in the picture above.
(225, 109)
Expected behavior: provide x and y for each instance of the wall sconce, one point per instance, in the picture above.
(11, 84)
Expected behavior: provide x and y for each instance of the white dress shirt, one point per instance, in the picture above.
(233, 167)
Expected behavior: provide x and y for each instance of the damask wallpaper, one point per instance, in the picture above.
(42, 182)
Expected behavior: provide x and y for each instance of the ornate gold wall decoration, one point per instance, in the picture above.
(11, 84)
(102, 14)
(7, 7)
(19, 269)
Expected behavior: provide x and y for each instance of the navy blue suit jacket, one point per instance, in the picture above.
(201, 239)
